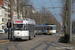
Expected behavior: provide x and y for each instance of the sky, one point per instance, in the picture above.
(50, 3)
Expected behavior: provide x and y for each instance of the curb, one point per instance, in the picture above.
(4, 41)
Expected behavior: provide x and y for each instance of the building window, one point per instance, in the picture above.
(9, 10)
(6, 15)
(8, 5)
(6, 10)
(2, 27)
(2, 19)
(9, 15)
(5, 4)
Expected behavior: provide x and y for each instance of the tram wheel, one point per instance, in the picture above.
(34, 35)
(29, 37)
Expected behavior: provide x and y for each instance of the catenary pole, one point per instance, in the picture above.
(70, 19)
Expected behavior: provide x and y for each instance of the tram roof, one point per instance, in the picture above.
(45, 26)
(25, 21)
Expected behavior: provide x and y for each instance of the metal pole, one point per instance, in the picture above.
(70, 19)
(8, 33)
(40, 18)
(11, 17)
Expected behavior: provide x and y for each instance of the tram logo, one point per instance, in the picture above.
(18, 33)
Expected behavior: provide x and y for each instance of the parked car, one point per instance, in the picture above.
(2, 31)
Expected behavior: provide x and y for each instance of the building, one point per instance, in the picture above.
(6, 6)
(15, 7)
(2, 17)
(7, 9)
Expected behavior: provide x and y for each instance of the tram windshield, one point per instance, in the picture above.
(18, 27)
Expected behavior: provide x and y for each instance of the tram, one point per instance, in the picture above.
(24, 28)
(45, 29)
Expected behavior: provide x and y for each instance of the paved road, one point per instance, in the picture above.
(40, 42)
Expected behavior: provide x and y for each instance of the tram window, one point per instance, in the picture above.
(54, 28)
(18, 26)
(31, 27)
(49, 28)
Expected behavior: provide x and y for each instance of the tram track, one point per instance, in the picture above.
(42, 43)
(49, 43)
(46, 41)
(5, 46)
(16, 45)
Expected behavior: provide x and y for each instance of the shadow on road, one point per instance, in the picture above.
(61, 40)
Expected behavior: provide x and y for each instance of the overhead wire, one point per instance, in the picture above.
(38, 2)
(49, 7)
(54, 9)
(43, 3)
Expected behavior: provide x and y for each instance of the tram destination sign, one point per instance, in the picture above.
(18, 21)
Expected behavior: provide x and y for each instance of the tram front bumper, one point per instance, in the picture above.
(22, 37)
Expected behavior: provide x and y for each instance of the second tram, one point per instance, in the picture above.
(45, 29)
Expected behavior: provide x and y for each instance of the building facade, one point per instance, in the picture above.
(12, 7)
(6, 6)
(2, 17)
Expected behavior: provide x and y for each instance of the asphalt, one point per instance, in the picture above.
(4, 38)
(38, 43)
(42, 44)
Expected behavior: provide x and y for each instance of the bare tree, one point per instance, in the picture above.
(26, 2)
(64, 13)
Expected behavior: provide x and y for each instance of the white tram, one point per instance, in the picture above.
(24, 28)
(45, 29)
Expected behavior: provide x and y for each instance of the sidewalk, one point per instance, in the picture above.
(4, 38)
(63, 46)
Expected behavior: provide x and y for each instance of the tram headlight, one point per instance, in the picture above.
(15, 34)
(21, 34)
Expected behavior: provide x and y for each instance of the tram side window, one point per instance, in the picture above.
(26, 27)
(49, 28)
(31, 27)
(54, 28)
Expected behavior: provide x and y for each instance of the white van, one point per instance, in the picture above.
(2, 31)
